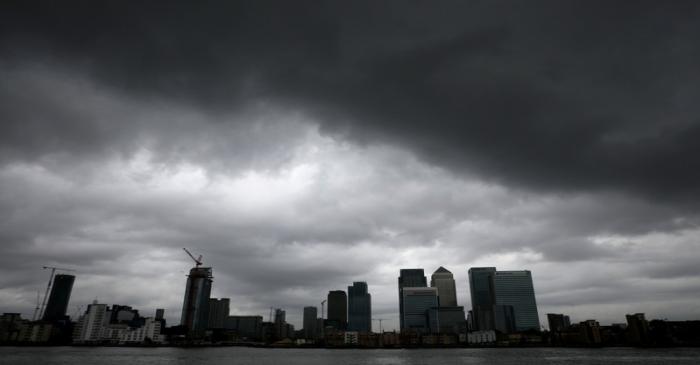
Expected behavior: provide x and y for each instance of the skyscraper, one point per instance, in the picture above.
(409, 278)
(558, 322)
(416, 304)
(218, 311)
(359, 308)
(514, 288)
(444, 281)
(195, 308)
(59, 297)
(337, 309)
(483, 297)
(310, 316)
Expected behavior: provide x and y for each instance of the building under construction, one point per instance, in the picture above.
(195, 308)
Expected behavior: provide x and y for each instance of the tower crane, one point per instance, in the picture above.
(380, 324)
(48, 286)
(197, 261)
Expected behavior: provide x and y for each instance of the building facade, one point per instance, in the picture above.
(218, 311)
(337, 309)
(417, 302)
(444, 281)
(195, 308)
(310, 322)
(59, 297)
(409, 278)
(483, 297)
(89, 327)
(515, 289)
(359, 308)
(246, 327)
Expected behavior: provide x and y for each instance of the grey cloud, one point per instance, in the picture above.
(573, 95)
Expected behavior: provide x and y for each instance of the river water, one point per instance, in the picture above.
(261, 356)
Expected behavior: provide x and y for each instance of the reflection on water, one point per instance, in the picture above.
(255, 356)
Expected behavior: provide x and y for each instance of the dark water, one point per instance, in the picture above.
(255, 356)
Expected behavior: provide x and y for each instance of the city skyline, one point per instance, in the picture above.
(299, 149)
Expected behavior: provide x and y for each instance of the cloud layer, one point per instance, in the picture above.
(299, 148)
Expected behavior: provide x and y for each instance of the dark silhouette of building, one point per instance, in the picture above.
(310, 322)
(245, 327)
(416, 304)
(195, 309)
(502, 300)
(515, 289)
(59, 297)
(409, 278)
(218, 311)
(558, 322)
(483, 297)
(447, 320)
(637, 329)
(160, 317)
(337, 309)
(359, 308)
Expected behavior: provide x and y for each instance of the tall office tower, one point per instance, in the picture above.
(280, 324)
(444, 281)
(195, 308)
(59, 297)
(417, 302)
(310, 321)
(409, 278)
(558, 322)
(483, 297)
(359, 308)
(218, 311)
(160, 317)
(514, 288)
(337, 309)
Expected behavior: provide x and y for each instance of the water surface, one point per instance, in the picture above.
(259, 356)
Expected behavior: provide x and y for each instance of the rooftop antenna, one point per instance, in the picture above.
(197, 261)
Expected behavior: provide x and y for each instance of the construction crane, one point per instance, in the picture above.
(197, 261)
(38, 303)
(380, 324)
(48, 287)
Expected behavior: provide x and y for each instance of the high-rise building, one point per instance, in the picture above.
(246, 327)
(483, 297)
(89, 326)
(195, 308)
(416, 304)
(502, 300)
(558, 322)
(359, 308)
(59, 297)
(514, 288)
(409, 278)
(310, 321)
(218, 311)
(160, 317)
(337, 309)
(444, 281)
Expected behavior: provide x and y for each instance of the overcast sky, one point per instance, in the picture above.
(301, 146)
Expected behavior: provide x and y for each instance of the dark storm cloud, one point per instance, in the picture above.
(564, 95)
